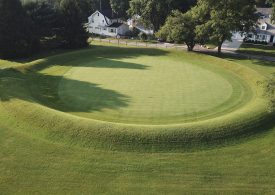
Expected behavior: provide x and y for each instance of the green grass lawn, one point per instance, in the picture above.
(34, 158)
(263, 50)
(169, 88)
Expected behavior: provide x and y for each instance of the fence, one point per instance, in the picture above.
(140, 44)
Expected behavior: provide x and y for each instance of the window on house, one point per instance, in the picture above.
(97, 14)
(112, 30)
(263, 27)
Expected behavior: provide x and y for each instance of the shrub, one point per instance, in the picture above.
(142, 36)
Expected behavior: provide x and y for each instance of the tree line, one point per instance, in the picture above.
(23, 28)
(210, 20)
(28, 25)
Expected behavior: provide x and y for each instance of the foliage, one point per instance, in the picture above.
(155, 12)
(44, 16)
(257, 49)
(134, 32)
(263, 3)
(17, 38)
(142, 36)
(180, 28)
(120, 7)
(273, 13)
(72, 30)
(255, 42)
(224, 17)
(87, 7)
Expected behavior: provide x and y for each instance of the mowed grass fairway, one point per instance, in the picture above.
(148, 89)
(116, 120)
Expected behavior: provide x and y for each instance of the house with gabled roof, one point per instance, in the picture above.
(265, 31)
(105, 23)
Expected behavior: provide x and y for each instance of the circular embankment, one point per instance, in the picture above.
(131, 98)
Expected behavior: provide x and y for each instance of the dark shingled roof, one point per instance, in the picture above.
(115, 25)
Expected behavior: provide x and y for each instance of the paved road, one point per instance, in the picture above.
(233, 45)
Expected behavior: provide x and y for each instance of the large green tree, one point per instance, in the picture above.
(180, 28)
(17, 37)
(224, 17)
(72, 30)
(44, 16)
(120, 7)
(154, 12)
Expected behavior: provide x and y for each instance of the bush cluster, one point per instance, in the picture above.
(255, 42)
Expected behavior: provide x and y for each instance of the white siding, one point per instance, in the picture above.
(98, 24)
(261, 37)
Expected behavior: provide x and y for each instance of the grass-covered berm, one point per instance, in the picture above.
(134, 98)
(114, 119)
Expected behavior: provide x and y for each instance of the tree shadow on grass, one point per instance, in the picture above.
(43, 89)
(28, 83)
(233, 57)
(99, 57)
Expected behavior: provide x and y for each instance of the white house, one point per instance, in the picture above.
(134, 22)
(266, 29)
(106, 24)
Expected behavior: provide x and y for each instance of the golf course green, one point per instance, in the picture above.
(149, 89)
(111, 114)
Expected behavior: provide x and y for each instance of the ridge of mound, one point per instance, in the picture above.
(28, 100)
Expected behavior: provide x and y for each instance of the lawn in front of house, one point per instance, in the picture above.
(262, 50)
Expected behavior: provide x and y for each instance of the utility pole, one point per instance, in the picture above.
(100, 5)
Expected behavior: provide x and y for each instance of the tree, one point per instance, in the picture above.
(262, 3)
(180, 28)
(88, 7)
(72, 30)
(44, 17)
(272, 3)
(273, 13)
(120, 7)
(17, 37)
(154, 12)
(225, 17)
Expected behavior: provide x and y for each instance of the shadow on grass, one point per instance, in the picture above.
(263, 50)
(99, 57)
(17, 85)
(43, 88)
(233, 57)
(32, 86)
